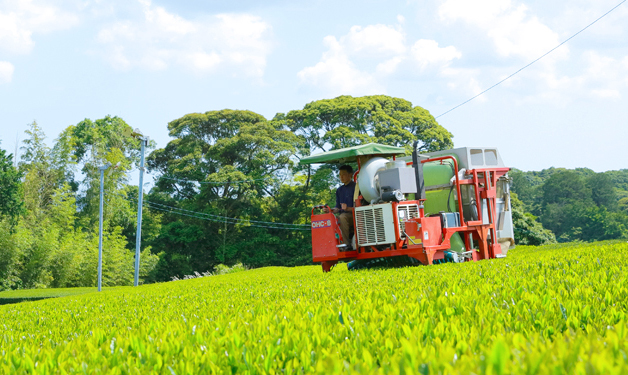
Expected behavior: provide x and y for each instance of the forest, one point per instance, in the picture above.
(228, 189)
(576, 205)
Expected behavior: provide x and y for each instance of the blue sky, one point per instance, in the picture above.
(151, 62)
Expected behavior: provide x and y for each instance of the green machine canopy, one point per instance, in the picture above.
(350, 154)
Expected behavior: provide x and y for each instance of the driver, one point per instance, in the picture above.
(344, 203)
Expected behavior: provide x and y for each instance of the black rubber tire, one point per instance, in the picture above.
(388, 262)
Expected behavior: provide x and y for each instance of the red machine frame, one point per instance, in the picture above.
(432, 239)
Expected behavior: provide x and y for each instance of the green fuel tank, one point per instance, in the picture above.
(439, 173)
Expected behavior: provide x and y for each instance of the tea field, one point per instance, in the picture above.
(15, 296)
(557, 309)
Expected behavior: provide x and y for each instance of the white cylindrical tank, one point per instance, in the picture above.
(367, 178)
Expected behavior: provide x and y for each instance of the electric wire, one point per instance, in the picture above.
(229, 218)
(223, 219)
(210, 182)
(195, 181)
(219, 218)
(219, 221)
(542, 56)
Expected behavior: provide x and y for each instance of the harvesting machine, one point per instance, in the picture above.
(443, 206)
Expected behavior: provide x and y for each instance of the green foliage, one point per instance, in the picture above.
(347, 121)
(11, 205)
(46, 256)
(90, 144)
(218, 147)
(12, 242)
(24, 295)
(55, 243)
(221, 269)
(602, 190)
(528, 231)
(623, 204)
(565, 187)
(576, 205)
(557, 309)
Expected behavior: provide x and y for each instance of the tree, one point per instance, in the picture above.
(347, 121)
(603, 191)
(528, 231)
(42, 175)
(91, 144)
(223, 164)
(623, 204)
(564, 187)
(11, 205)
(526, 185)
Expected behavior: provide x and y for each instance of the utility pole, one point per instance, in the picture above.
(138, 234)
(102, 180)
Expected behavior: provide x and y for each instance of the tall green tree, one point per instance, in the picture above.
(564, 187)
(43, 174)
(348, 121)
(56, 242)
(91, 144)
(11, 204)
(225, 164)
(603, 191)
(528, 231)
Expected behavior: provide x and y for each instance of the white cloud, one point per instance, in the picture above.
(603, 75)
(161, 39)
(626, 69)
(427, 53)
(375, 39)
(512, 29)
(337, 73)
(464, 80)
(20, 19)
(598, 77)
(360, 61)
(479, 12)
(606, 93)
(389, 66)
(6, 71)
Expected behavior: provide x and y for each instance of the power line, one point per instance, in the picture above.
(199, 182)
(211, 182)
(219, 218)
(222, 221)
(545, 54)
(229, 218)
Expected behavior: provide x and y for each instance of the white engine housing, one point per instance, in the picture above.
(375, 224)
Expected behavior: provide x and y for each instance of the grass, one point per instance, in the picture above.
(24, 295)
(557, 309)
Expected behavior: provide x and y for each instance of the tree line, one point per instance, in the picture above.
(227, 189)
(578, 204)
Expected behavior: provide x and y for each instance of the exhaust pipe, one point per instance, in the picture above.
(418, 169)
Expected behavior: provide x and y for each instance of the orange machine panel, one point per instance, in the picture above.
(325, 237)
(431, 231)
(425, 231)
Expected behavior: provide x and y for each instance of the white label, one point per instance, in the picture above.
(426, 236)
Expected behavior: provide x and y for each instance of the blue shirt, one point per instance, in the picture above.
(344, 194)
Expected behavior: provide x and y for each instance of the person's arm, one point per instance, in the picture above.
(337, 208)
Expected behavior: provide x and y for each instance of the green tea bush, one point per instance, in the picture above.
(222, 269)
(557, 309)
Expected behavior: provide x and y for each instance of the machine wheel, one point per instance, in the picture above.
(388, 262)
